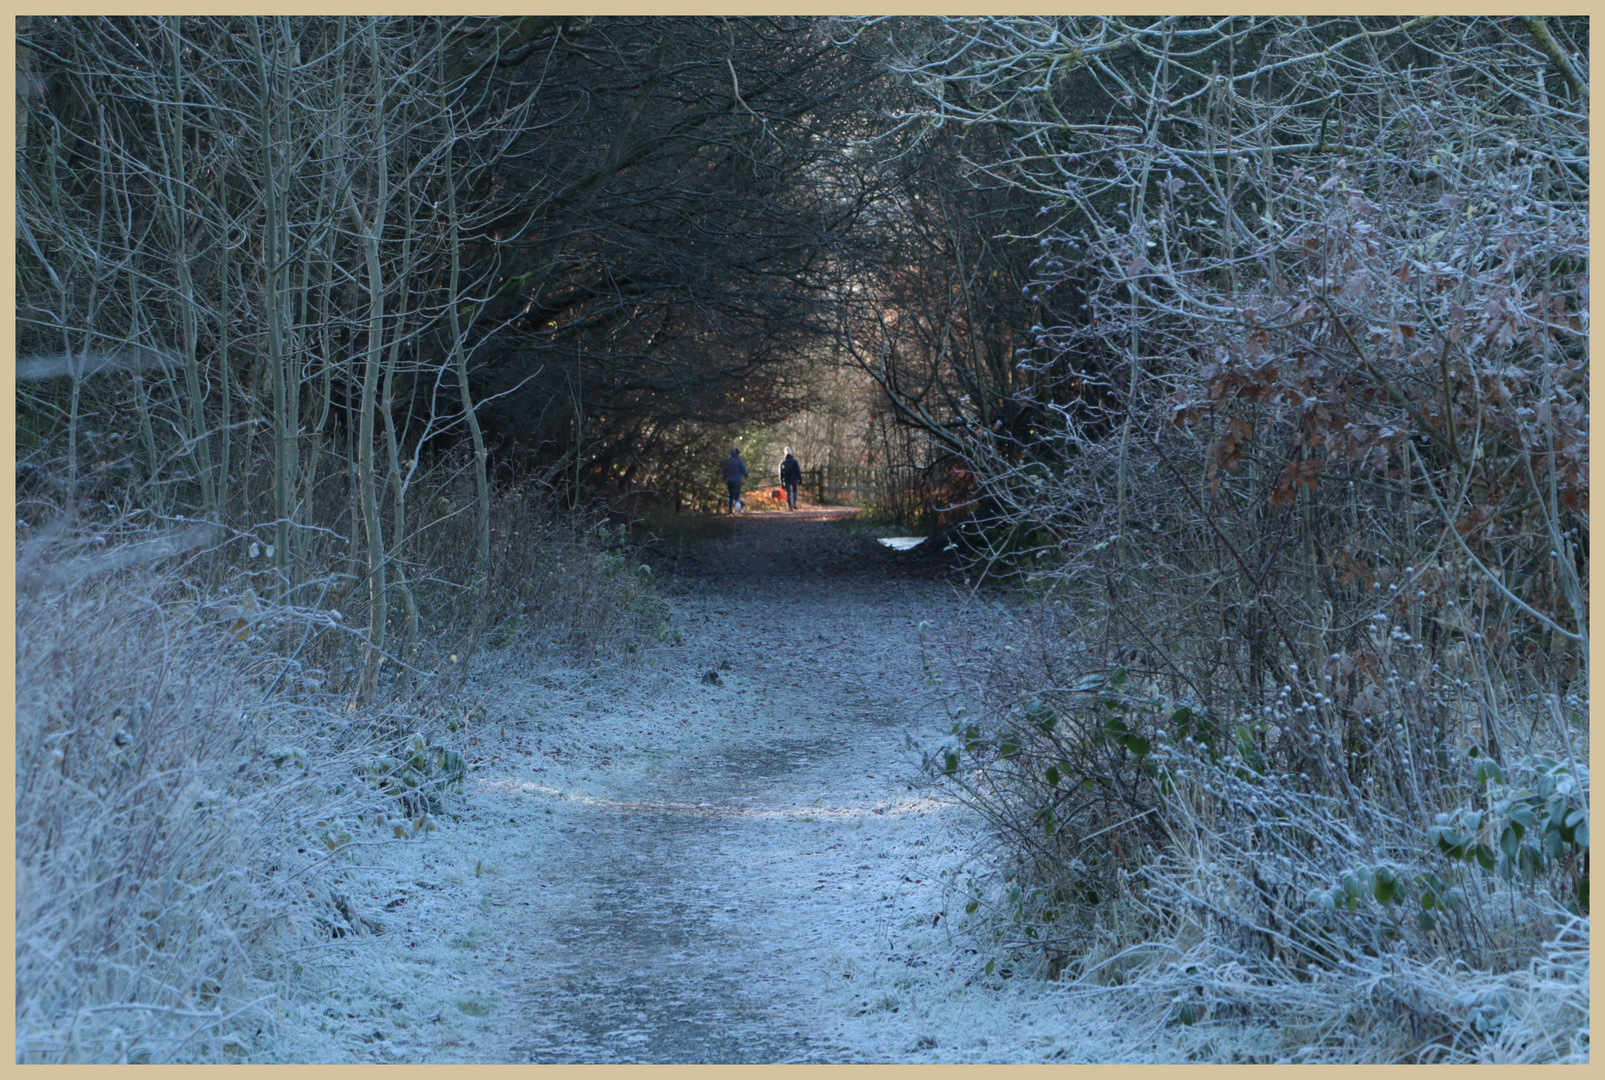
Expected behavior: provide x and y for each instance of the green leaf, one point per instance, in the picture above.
(1182, 720)
(1385, 886)
(1188, 1014)
(1009, 745)
(1118, 678)
(950, 763)
(1509, 842)
(990, 964)
(1136, 744)
(1426, 920)
(1484, 856)
(1052, 775)
(969, 909)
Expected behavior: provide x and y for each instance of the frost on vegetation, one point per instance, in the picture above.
(1309, 461)
(567, 587)
(180, 835)
(1179, 871)
(194, 807)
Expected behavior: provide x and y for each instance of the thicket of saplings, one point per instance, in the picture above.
(197, 755)
(1294, 732)
(253, 561)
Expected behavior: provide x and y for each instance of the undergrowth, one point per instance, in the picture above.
(197, 767)
(1348, 863)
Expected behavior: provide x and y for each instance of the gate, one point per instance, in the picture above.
(852, 485)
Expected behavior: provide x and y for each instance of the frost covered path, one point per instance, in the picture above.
(704, 904)
(664, 870)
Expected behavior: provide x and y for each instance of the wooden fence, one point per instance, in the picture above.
(853, 485)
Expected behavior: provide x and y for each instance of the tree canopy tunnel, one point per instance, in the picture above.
(652, 237)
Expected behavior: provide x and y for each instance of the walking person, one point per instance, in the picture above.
(790, 477)
(735, 471)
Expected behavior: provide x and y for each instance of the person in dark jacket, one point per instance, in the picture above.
(735, 471)
(790, 477)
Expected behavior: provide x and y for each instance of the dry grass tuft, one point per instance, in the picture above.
(168, 816)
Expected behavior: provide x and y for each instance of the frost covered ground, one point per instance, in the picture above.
(650, 868)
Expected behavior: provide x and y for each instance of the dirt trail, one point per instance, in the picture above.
(663, 870)
(672, 932)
